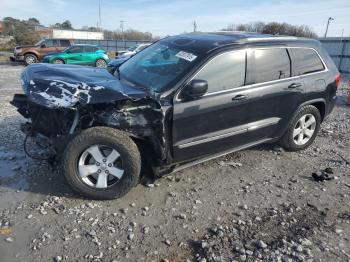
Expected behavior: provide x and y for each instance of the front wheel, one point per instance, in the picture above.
(30, 59)
(58, 61)
(303, 129)
(101, 63)
(102, 163)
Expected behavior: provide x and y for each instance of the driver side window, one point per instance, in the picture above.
(76, 49)
(224, 72)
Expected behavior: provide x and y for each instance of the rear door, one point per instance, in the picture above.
(307, 63)
(217, 121)
(274, 95)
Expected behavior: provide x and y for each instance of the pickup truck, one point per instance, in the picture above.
(30, 54)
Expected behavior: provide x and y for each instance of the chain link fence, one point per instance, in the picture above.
(112, 45)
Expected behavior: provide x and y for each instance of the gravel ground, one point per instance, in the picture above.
(260, 204)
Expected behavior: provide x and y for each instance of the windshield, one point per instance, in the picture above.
(40, 42)
(157, 66)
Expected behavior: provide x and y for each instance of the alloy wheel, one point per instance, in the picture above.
(58, 61)
(304, 129)
(30, 59)
(101, 63)
(100, 166)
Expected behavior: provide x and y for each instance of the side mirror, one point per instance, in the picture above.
(42, 45)
(195, 89)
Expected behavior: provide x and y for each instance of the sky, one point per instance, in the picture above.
(165, 17)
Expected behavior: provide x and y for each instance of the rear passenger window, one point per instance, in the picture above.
(65, 43)
(90, 49)
(306, 61)
(271, 64)
(224, 72)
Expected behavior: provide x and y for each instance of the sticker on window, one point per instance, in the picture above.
(187, 56)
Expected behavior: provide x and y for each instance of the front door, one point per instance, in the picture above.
(75, 55)
(217, 121)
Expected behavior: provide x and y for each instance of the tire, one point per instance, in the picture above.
(109, 138)
(290, 140)
(58, 61)
(101, 63)
(30, 59)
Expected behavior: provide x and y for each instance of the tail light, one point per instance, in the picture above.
(337, 79)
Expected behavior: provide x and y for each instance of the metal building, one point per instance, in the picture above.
(339, 49)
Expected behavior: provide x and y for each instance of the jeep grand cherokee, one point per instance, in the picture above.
(183, 100)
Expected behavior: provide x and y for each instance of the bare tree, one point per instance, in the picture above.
(274, 28)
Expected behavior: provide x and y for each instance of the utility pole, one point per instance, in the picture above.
(329, 20)
(122, 28)
(194, 26)
(99, 14)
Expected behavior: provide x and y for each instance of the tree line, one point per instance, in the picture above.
(273, 28)
(23, 31)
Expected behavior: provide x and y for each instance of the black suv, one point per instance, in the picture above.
(183, 100)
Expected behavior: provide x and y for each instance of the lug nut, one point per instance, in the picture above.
(110, 165)
(104, 160)
(97, 164)
(99, 171)
(106, 172)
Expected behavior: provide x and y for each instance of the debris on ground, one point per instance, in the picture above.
(322, 175)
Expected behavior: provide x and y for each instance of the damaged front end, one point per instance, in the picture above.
(62, 100)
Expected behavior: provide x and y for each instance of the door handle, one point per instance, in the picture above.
(295, 85)
(239, 97)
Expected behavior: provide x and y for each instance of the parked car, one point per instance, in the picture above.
(31, 54)
(132, 50)
(115, 63)
(79, 55)
(184, 100)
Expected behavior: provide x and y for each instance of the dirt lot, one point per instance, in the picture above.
(259, 204)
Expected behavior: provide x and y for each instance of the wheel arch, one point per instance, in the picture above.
(319, 103)
(58, 58)
(32, 53)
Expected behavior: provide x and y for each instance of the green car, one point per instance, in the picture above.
(79, 55)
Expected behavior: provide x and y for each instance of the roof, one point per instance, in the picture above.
(85, 45)
(206, 42)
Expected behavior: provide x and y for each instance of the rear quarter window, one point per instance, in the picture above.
(271, 64)
(306, 61)
(90, 49)
(65, 43)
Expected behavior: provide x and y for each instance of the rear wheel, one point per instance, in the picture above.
(102, 163)
(30, 59)
(101, 63)
(303, 129)
(58, 61)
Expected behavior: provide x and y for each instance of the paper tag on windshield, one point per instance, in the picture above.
(187, 56)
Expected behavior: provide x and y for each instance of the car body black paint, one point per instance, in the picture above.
(183, 130)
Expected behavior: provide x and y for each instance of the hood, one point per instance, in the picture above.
(24, 46)
(67, 86)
